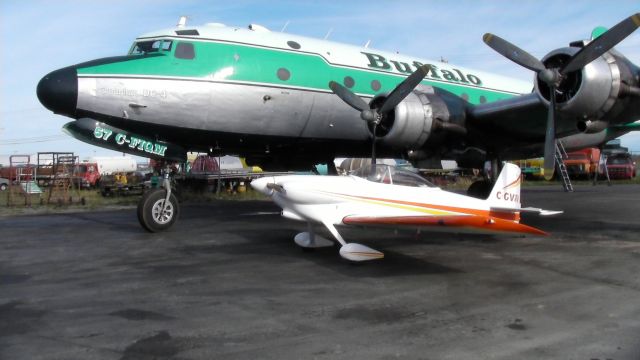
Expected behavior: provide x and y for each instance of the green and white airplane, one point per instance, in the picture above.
(287, 102)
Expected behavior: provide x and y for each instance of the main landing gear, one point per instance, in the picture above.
(159, 209)
(352, 251)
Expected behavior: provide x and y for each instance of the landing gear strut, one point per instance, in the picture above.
(350, 251)
(159, 209)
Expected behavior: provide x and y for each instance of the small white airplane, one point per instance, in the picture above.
(387, 196)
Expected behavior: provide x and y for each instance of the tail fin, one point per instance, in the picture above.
(506, 191)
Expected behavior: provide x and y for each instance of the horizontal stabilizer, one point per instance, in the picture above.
(538, 211)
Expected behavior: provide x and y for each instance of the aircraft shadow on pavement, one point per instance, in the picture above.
(278, 243)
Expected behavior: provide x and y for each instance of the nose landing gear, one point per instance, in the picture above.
(159, 209)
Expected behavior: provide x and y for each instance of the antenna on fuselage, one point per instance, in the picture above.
(328, 34)
(285, 26)
(366, 46)
(182, 22)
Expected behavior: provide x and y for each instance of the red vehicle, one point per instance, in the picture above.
(87, 174)
(583, 163)
(84, 175)
(621, 166)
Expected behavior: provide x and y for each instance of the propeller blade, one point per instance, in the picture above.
(404, 88)
(348, 97)
(512, 52)
(550, 138)
(602, 44)
(373, 144)
(373, 149)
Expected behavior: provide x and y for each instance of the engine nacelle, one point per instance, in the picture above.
(589, 93)
(418, 116)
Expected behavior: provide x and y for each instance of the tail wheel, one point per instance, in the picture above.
(154, 215)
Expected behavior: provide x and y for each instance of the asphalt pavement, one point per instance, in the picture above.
(228, 282)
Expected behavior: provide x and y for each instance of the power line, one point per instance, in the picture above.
(32, 140)
(22, 110)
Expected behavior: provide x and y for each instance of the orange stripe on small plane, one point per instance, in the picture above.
(502, 215)
(513, 184)
(513, 216)
(474, 222)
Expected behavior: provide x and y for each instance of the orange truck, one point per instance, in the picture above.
(582, 163)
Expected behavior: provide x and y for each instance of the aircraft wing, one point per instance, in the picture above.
(456, 221)
(522, 118)
(520, 115)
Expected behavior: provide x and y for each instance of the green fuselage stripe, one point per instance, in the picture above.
(232, 62)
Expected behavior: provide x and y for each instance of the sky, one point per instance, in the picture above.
(41, 36)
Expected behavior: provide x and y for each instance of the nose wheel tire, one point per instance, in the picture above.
(154, 215)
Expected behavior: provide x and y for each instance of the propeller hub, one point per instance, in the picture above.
(368, 115)
(549, 76)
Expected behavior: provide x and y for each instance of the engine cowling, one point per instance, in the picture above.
(589, 93)
(415, 119)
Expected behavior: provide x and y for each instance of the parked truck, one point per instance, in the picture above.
(531, 169)
(582, 163)
(621, 166)
(92, 170)
(109, 165)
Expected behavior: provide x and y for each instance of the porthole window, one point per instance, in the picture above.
(283, 74)
(465, 97)
(293, 45)
(185, 51)
(349, 82)
(375, 85)
(483, 99)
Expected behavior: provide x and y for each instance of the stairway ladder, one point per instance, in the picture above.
(560, 155)
(61, 185)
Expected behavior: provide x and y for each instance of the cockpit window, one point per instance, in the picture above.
(185, 50)
(386, 174)
(145, 47)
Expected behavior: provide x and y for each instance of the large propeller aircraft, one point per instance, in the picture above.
(279, 101)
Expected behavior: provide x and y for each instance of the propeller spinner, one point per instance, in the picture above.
(554, 76)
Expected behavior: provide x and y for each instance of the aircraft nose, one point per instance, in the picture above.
(261, 185)
(58, 91)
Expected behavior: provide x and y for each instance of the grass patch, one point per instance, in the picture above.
(93, 201)
(81, 200)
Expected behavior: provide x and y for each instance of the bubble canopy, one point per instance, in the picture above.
(387, 174)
